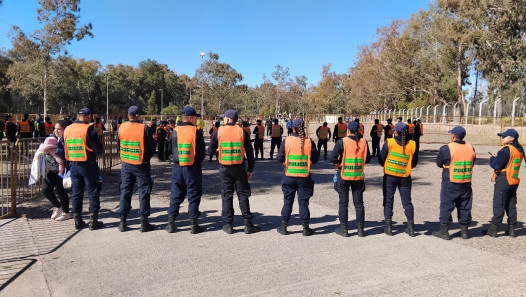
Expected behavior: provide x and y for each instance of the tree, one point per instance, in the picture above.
(152, 104)
(171, 109)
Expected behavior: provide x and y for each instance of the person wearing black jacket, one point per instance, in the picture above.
(188, 152)
(232, 142)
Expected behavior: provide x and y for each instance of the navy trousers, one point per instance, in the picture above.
(457, 195)
(186, 181)
(129, 175)
(504, 200)
(342, 188)
(274, 141)
(258, 146)
(404, 187)
(234, 177)
(84, 175)
(305, 188)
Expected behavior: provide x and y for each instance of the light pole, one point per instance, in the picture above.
(202, 88)
(107, 101)
(161, 111)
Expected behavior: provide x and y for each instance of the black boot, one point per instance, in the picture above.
(410, 229)
(249, 227)
(492, 231)
(79, 223)
(94, 222)
(228, 228)
(283, 228)
(195, 228)
(343, 230)
(170, 228)
(388, 228)
(464, 232)
(361, 233)
(511, 231)
(122, 225)
(443, 233)
(145, 226)
(306, 230)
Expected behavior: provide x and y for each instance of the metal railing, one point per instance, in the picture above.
(15, 168)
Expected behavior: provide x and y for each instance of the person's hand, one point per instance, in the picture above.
(249, 175)
(336, 167)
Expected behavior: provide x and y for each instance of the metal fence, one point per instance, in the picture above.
(16, 159)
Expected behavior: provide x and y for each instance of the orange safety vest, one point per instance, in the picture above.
(391, 130)
(247, 129)
(261, 131)
(513, 167)
(156, 132)
(214, 129)
(353, 160)
(421, 129)
(24, 126)
(131, 137)
(186, 144)
(398, 162)
(231, 145)
(461, 164)
(360, 128)
(276, 131)
(98, 128)
(323, 134)
(297, 163)
(411, 128)
(379, 130)
(49, 127)
(75, 139)
(342, 130)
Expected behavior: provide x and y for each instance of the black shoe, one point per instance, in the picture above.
(361, 233)
(443, 233)
(170, 228)
(511, 231)
(195, 228)
(94, 222)
(464, 232)
(122, 225)
(343, 230)
(306, 230)
(283, 228)
(145, 226)
(250, 228)
(228, 228)
(492, 231)
(410, 229)
(388, 228)
(79, 223)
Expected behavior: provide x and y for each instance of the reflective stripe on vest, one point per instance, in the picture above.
(231, 145)
(24, 127)
(186, 144)
(261, 131)
(514, 165)
(49, 127)
(297, 163)
(353, 160)
(323, 133)
(276, 131)
(461, 164)
(131, 137)
(379, 130)
(75, 142)
(398, 162)
(98, 128)
(342, 130)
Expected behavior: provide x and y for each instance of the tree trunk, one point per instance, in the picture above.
(45, 92)
(459, 74)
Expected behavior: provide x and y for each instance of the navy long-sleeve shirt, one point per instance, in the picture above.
(444, 158)
(247, 144)
(313, 151)
(200, 147)
(336, 155)
(383, 153)
(501, 160)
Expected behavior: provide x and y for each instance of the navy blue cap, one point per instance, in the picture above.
(458, 131)
(399, 127)
(230, 114)
(134, 111)
(190, 111)
(298, 122)
(352, 125)
(510, 132)
(85, 110)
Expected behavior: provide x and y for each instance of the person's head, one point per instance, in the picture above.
(97, 120)
(230, 116)
(376, 121)
(340, 120)
(217, 124)
(324, 124)
(399, 119)
(389, 121)
(8, 117)
(154, 121)
(298, 127)
(85, 115)
(457, 133)
(400, 128)
(39, 116)
(409, 121)
(245, 124)
(189, 115)
(48, 119)
(258, 122)
(275, 121)
(60, 126)
(26, 116)
(357, 120)
(134, 113)
(508, 136)
(352, 128)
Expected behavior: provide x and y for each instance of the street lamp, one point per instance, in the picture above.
(107, 101)
(161, 103)
(202, 88)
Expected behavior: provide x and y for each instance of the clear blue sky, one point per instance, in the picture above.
(251, 35)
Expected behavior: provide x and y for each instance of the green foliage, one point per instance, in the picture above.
(152, 105)
(171, 109)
